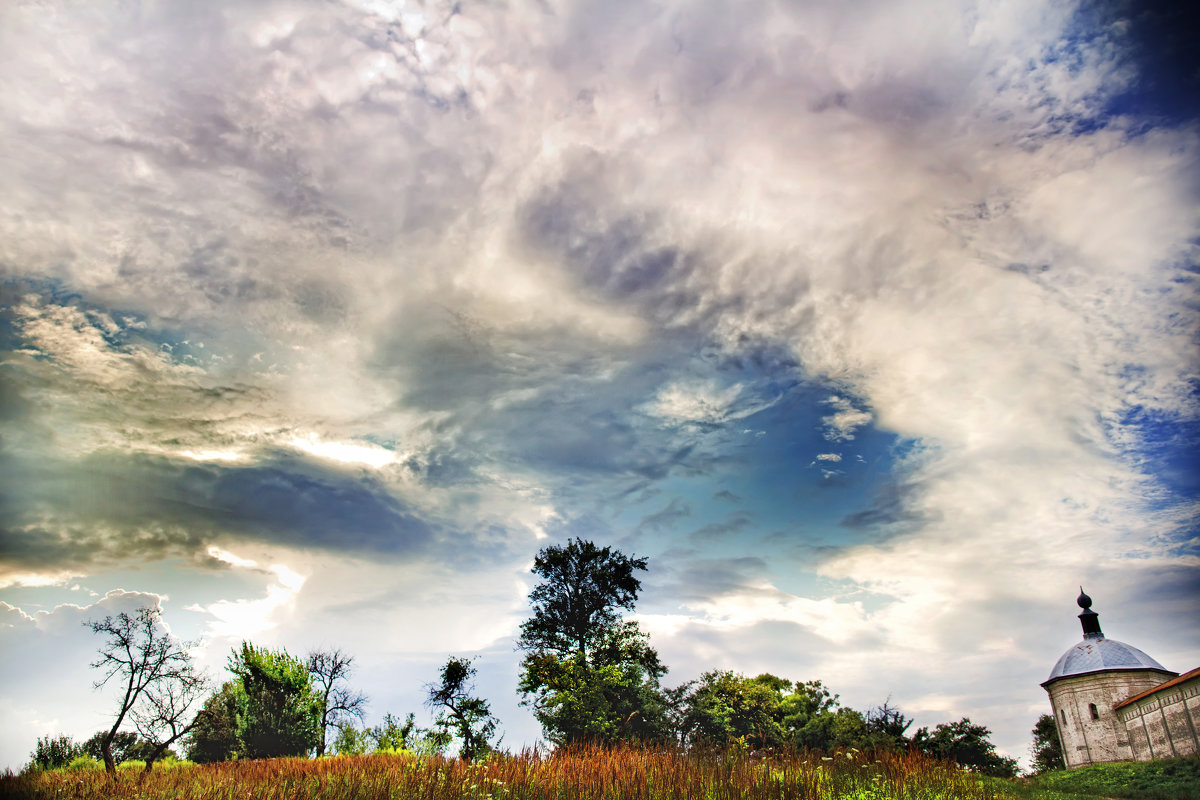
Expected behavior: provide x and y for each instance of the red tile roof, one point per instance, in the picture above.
(1187, 676)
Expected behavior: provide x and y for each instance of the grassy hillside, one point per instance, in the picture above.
(583, 774)
(1168, 779)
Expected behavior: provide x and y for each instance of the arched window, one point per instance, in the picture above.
(1095, 711)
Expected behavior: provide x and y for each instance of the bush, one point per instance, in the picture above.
(132, 763)
(53, 752)
(84, 763)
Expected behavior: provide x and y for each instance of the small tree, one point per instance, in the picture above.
(350, 741)
(53, 752)
(139, 650)
(1047, 748)
(967, 744)
(467, 717)
(329, 670)
(886, 727)
(166, 713)
(126, 746)
(278, 713)
(394, 736)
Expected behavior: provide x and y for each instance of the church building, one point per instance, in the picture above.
(1112, 702)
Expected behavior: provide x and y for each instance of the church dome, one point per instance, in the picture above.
(1097, 654)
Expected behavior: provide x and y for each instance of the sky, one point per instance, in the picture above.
(872, 325)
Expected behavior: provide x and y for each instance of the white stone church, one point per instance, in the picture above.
(1112, 702)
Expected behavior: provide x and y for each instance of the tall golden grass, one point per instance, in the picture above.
(580, 773)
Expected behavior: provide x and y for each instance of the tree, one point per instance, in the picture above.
(588, 674)
(350, 741)
(575, 606)
(967, 744)
(215, 736)
(724, 705)
(463, 715)
(1047, 747)
(126, 746)
(278, 713)
(53, 752)
(394, 736)
(166, 714)
(886, 728)
(145, 656)
(329, 670)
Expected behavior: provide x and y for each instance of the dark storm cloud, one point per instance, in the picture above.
(109, 507)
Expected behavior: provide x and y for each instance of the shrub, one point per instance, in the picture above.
(85, 763)
(53, 752)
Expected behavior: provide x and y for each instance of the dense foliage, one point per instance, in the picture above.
(53, 752)
(767, 712)
(215, 737)
(966, 743)
(278, 713)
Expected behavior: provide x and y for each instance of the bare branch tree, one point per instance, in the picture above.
(165, 714)
(139, 650)
(330, 670)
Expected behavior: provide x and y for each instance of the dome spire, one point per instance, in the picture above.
(1089, 619)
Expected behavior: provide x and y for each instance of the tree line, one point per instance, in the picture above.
(588, 674)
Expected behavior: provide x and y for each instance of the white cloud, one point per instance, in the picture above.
(366, 453)
(846, 419)
(245, 618)
(442, 229)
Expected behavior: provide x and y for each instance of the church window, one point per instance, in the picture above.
(1095, 711)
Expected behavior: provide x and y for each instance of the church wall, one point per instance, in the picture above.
(1102, 736)
(1165, 724)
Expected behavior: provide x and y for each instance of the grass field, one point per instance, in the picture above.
(1167, 779)
(585, 773)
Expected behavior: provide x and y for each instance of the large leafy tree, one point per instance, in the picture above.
(278, 712)
(330, 670)
(463, 715)
(588, 674)
(723, 706)
(1047, 747)
(146, 661)
(966, 743)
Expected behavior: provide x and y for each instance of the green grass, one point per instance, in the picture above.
(621, 773)
(1166, 779)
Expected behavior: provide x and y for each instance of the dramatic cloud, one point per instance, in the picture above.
(872, 325)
